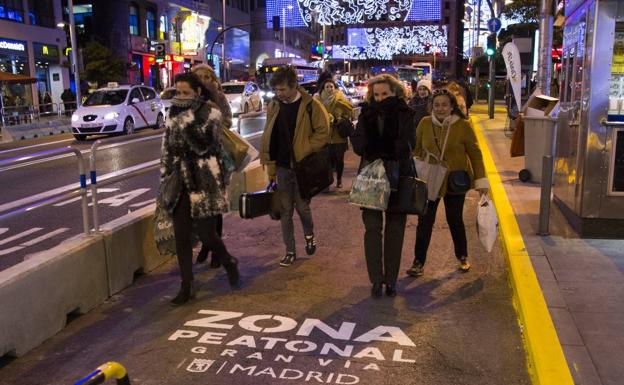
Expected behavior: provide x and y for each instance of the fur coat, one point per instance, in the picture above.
(192, 148)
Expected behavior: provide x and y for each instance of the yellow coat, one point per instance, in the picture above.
(462, 149)
(308, 137)
(339, 108)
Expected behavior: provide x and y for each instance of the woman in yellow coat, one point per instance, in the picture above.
(463, 159)
(340, 112)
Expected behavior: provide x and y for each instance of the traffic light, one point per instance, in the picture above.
(491, 44)
(276, 23)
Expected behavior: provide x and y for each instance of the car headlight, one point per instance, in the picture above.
(75, 118)
(237, 100)
(111, 116)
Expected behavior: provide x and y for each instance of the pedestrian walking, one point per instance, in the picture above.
(215, 94)
(296, 126)
(421, 99)
(447, 130)
(69, 101)
(340, 113)
(193, 179)
(385, 130)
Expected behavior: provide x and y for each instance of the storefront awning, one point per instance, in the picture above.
(7, 77)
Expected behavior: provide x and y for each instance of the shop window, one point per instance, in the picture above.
(150, 24)
(12, 10)
(163, 28)
(134, 20)
(41, 12)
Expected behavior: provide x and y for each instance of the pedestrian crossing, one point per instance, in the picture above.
(24, 239)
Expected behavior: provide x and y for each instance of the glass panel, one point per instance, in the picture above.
(616, 93)
(618, 164)
(150, 23)
(134, 20)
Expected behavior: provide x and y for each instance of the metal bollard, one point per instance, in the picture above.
(544, 212)
(83, 191)
(93, 174)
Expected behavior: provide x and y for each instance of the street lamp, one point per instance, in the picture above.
(74, 48)
(284, 29)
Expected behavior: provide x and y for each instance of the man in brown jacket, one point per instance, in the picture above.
(296, 126)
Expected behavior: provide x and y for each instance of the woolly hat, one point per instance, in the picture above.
(424, 83)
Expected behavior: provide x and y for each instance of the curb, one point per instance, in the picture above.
(545, 359)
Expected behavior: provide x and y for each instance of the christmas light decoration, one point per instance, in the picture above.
(332, 12)
(384, 43)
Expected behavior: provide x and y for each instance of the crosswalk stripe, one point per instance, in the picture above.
(10, 250)
(20, 235)
(45, 236)
(3, 230)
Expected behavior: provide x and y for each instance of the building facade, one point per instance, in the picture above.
(31, 44)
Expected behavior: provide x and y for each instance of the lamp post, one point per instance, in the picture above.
(284, 29)
(74, 49)
(223, 74)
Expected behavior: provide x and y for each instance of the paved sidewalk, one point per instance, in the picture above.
(310, 323)
(582, 279)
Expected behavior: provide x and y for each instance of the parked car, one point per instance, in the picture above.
(243, 97)
(165, 97)
(118, 109)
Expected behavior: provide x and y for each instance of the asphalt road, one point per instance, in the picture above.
(30, 181)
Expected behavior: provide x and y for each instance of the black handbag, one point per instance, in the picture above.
(169, 191)
(458, 182)
(314, 173)
(410, 198)
(256, 204)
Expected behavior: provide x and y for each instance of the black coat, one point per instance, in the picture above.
(394, 141)
(420, 107)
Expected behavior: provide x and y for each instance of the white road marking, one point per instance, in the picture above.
(118, 200)
(100, 190)
(34, 145)
(251, 136)
(11, 250)
(45, 236)
(144, 203)
(20, 235)
(3, 230)
(60, 190)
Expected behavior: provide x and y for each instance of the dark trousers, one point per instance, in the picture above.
(205, 249)
(336, 157)
(291, 200)
(454, 209)
(206, 230)
(383, 250)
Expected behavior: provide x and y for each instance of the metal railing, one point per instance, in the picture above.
(15, 115)
(104, 372)
(83, 189)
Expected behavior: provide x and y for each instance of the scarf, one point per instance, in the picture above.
(446, 122)
(327, 99)
(179, 105)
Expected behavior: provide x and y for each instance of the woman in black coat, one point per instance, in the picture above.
(420, 100)
(386, 131)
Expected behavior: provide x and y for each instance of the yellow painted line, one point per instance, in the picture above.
(546, 362)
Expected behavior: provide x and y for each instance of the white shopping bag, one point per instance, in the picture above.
(434, 174)
(487, 222)
(371, 188)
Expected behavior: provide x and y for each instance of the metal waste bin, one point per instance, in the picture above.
(539, 140)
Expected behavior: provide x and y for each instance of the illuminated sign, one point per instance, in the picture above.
(302, 13)
(384, 43)
(193, 31)
(12, 45)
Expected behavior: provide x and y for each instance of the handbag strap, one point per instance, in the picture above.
(443, 149)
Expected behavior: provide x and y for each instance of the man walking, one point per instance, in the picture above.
(296, 126)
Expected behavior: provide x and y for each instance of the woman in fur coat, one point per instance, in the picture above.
(385, 130)
(194, 178)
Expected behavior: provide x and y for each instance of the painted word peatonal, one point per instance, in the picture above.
(279, 324)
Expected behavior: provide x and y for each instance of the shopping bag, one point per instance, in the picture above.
(487, 222)
(314, 173)
(432, 174)
(371, 188)
(164, 236)
(236, 146)
(410, 198)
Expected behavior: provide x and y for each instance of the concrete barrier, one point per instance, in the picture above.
(37, 295)
(130, 248)
(35, 130)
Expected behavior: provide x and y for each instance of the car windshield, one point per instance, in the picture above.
(100, 98)
(233, 88)
(168, 93)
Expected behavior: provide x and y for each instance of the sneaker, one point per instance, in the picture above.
(416, 270)
(464, 265)
(310, 244)
(288, 259)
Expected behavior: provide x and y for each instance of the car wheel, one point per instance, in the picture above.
(128, 128)
(160, 122)
(80, 137)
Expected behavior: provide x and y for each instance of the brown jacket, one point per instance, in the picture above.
(462, 149)
(308, 137)
(339, 108)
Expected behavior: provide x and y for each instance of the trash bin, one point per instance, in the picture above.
(539, 140)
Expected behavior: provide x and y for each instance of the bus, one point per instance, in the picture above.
(416, 71)
(306, 72)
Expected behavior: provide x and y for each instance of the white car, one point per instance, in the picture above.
(243, 97)
(118, 109)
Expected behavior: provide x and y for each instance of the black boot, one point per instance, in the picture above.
(214, 262)
(376, 290)
(231, 268)
(186, 293)
(203, 254)
(391, 290)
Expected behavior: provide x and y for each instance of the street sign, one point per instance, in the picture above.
(159, 52)
(494, 24)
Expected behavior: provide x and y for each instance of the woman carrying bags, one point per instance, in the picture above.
(447, 132)
(385, 131)
(340, 112)
(215, 94)
(193, 180)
